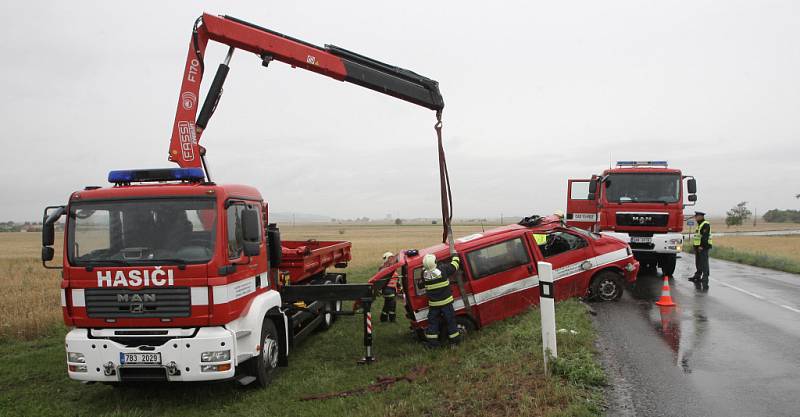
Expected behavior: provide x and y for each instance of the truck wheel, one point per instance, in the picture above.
(328, 316)
(264, 366)
(667, 264)
(606, 286)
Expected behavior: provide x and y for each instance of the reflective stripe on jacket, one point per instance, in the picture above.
(697, 238)
(437, 284)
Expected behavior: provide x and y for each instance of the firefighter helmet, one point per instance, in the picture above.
(386, 256)
(429, 262)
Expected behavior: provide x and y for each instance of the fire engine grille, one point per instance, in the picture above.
(145, 303)
(642, 219)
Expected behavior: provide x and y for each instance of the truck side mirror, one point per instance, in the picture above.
(692, 198)
(274, 248)
(250, 226)
(250, 232)
(593, 187)
(691, 186)
(49, 233)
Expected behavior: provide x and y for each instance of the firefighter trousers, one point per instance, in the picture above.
(437, 315)
(389, 304)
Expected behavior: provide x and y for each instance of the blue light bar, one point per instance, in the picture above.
(641, 163)
(154, 175)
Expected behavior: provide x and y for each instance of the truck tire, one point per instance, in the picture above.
(265, 364)
(328, 317)
(606, 286)
(667, 263)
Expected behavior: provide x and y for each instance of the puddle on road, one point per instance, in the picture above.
(680, 327)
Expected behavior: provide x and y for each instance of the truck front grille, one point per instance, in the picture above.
(642, 219)
(145, 303)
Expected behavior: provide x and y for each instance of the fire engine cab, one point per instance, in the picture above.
(500, 277)
(639, 202)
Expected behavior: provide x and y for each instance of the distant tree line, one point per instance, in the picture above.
(782, 216)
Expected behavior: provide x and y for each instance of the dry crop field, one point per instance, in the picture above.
(718, 225)
(30, 305)
(778, 246)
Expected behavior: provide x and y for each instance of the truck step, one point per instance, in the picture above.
(246, 380)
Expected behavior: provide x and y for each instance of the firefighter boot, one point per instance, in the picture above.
(384, 316)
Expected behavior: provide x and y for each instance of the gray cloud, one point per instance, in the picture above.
(536, 92)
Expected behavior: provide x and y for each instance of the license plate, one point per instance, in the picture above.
(641, 239)
(140, 358)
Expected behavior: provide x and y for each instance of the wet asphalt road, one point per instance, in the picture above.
(734, 351)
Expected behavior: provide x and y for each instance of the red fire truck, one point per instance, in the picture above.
(500, 270)
(639, 202)
(169, 276)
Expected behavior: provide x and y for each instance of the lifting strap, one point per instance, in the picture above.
(447, 211)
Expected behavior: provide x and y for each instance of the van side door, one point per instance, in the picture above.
(502, 276)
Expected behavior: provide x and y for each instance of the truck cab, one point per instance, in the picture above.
(499, 268)
(167, 277)
(639, 202)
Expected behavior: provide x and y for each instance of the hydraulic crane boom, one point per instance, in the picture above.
(330, 60)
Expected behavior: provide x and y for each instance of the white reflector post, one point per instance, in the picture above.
(547, 306)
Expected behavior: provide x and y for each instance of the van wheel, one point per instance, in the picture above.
(606, 286)
(265, 364)
(465, 325)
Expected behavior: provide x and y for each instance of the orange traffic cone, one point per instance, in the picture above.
(666, 298)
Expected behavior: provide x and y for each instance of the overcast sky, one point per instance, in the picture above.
(535, 93)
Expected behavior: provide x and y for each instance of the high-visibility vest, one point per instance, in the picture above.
(697, 237)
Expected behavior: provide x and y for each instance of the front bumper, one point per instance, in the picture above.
(659, 243)
(180, 356)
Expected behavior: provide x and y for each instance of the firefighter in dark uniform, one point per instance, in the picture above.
(701, 240)
(440, 299)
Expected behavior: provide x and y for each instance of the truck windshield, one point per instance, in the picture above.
(643, 188)
(142, 232)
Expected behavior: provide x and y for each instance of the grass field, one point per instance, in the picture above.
(495, 372)
(719, 225)
(776, 252)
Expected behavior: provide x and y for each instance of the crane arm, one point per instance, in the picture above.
(331, 61)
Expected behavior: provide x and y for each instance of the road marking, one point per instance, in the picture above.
(790, 308)
(752, 294)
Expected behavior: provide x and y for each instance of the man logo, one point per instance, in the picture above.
(188, 100)
(136, 301)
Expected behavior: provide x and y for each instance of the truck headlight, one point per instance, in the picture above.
(675, 241)
(216, 356)
(76, 357)
(77, 368)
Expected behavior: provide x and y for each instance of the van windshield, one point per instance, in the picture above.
(643, 188)
(142, 232)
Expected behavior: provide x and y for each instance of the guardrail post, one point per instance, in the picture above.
(547, 308)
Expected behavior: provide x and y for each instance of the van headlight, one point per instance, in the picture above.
(216, 356)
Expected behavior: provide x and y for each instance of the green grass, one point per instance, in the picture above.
(497, 371)
(759, 259)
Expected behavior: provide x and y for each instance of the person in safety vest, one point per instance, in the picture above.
(701, 241)
(390, 290)
(440, 299)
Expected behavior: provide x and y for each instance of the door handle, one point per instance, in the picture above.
(530, 268)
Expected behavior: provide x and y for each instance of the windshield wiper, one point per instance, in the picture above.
(180, 262)
(90, 264)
